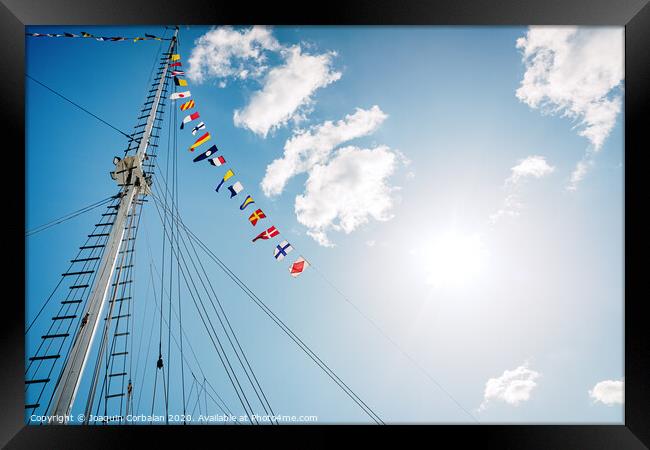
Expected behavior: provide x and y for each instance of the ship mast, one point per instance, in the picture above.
(129, 174)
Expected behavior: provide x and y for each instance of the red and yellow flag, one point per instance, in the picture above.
(257, 215)
(187, 105)
(202, 140)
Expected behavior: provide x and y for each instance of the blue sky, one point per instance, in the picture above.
(457, 136)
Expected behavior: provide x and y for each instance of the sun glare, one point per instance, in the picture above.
(453, 259)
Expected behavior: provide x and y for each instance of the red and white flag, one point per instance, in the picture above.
(298, 266)
(189, 118)
(177, 95)
(178, 72)
(268, 234)
(218, 161)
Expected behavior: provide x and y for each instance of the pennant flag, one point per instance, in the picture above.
(187, 105)
(138, 39)
(298, 266)
(189, 118)
(257, 215)
(268, 234)
(202, 140)
(218, 161)
(200, 126)
(228, 174)
(70, 35)
(176, 64)
(281, 250)
(248, 200)
(100, 39)
(235, 189)
(206, 154)
(180, 82)
(177, 72)
(177, 95)
(175, 57)
(84, 34)
(151, 36)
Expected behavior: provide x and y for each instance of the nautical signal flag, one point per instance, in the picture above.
(180, 81)
(298, 266)
(187, 105)
(281, 250)
(200, 126)
(177, 95)
(248, 200)
(206, 154)
(175, 57)
(268, 234)
(176, 64)
(202, 140)
(218, 161)
(178, 72)
(229, 173)
(235, 189)
(257, 215)
(188, 119)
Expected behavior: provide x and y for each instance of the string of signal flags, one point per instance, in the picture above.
(235, 188)
(83, 34)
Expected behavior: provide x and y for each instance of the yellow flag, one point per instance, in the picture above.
(228, 174)
(176, 57)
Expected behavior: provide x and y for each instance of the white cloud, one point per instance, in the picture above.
(305, 149)
(608, 392)
(285, 89)
(225, 52)
(530, 167)
(511, 208)
(512, 387)
(579, 172)
(347, 192)
(575, 72)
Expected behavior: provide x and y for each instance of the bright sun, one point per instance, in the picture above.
(452, 259)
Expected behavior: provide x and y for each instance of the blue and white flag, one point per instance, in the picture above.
(235, 189)
(281, 250)
(197, 128)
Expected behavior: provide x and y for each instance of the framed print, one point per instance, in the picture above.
(392, 216)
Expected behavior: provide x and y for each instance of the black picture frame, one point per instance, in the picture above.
(633, 14)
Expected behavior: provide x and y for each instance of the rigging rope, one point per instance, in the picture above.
(68, 216)
(79, 106)
(304, 347)
(182, 333)
(217, 345)
(395, 344)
